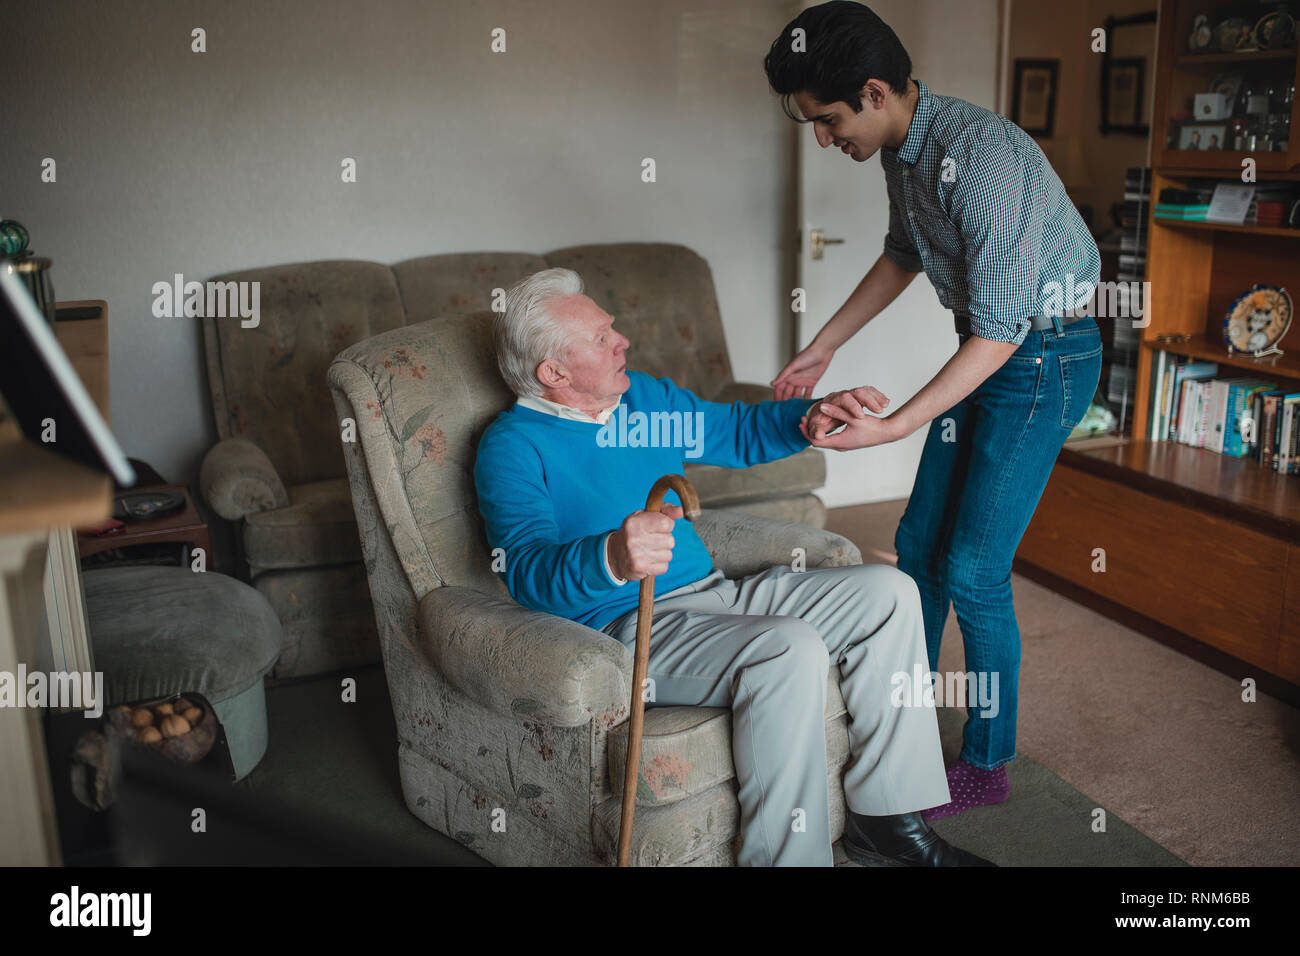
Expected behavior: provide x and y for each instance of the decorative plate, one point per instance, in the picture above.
(1275, 30)
(1258, 319)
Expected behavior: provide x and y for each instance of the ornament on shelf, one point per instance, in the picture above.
(1199, 40)
(1257, 320)
(13, 237)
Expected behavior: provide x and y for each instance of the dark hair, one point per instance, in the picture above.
(846, 45)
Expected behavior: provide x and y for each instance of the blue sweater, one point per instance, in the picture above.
(550, 489)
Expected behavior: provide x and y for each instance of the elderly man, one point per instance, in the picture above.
(561, 483)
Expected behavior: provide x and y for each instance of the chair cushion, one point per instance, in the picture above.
(158, 631)
(459, 283)
(796, 475)
(317, 527)
(687, 750)
(327, 617)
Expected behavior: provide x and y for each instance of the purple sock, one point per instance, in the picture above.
(971, 787)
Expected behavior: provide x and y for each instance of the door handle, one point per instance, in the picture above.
(818, 242)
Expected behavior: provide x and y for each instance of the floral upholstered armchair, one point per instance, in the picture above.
(512, 723)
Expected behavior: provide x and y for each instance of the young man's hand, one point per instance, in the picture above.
(643, 544)
(800, 376)
(817, 423)
(860, 429)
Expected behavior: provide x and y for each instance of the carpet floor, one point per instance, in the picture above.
(1161, 741)
(1110, 720)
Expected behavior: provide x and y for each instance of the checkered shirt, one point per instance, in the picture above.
(975, 204)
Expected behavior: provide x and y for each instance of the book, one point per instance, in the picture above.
(1230, 203)
(1295, 449)
(1171, 196)
(1257, 414)
(1267, 455)
(1161, 384)
(1216, 414)
(1185, 375)
(1171, 377)
(1240, 424)
(1286, 437)
(1204, 396)
(1191, 412)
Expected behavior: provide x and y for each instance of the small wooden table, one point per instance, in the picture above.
(183, 527)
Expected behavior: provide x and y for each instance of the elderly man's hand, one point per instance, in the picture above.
(860, 429)
(816, 425)
(643, 544)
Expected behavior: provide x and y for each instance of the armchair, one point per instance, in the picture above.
(512, 723)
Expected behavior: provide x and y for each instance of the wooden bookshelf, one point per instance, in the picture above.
(1200, 542)
(1285, 366)
(1235, 489)
(1216, 59)
(1287, 232)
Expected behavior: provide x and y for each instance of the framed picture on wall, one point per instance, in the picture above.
(1125, 96)
(1033, 101)
(1124, 91)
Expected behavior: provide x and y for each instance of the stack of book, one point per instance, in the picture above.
(1121, 384)
(1184, 204)
(1270, 204)
(1279, 431)
(1241, 416)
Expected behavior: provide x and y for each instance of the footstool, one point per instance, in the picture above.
(157, 631)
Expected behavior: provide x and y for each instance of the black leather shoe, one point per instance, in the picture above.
(903, 839)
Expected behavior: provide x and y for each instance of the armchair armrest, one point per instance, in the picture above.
(747, 392)
(520, 662)
(237, 479)
(746, 544)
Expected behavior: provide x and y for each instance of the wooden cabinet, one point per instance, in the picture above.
(1205, 568)
(1181, 74)
(1202, 543)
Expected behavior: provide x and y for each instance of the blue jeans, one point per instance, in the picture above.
(985, 465)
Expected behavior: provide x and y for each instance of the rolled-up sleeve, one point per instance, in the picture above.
(998, 206)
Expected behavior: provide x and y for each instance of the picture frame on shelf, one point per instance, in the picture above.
(1203, 136)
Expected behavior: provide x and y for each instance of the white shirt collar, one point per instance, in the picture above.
(548, 407)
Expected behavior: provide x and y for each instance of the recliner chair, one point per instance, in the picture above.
(512, 723)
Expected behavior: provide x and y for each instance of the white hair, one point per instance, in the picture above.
(527, 333)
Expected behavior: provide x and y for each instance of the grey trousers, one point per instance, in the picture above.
(763, 645)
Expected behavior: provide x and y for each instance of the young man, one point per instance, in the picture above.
(975, 204)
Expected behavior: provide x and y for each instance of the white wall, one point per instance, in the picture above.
(1041, 30)
(953, 47)
(170, 161)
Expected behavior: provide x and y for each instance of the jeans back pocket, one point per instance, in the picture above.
(1079, 377)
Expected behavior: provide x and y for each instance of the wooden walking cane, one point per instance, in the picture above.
(645, 609)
